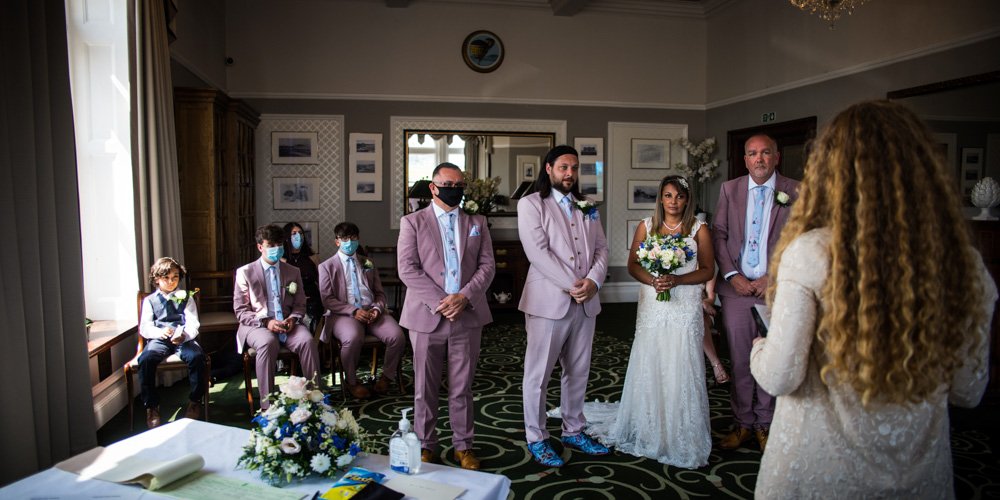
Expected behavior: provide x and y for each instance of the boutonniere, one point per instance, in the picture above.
(782, 198)
(292, 288)
(589, 209)
(470, 207)
(368, 265)
(181, 296)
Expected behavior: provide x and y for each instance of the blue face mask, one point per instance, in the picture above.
(349, 247)
(297, 241)
(274, 254)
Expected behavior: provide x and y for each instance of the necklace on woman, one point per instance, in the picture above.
(673, 228)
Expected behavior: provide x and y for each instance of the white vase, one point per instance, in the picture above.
(984, 214)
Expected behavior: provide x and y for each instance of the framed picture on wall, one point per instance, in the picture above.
(972, 169)
(642, 194)
(527, 165)
(294, 147)
(364, 175)
(651, 153)
(591, 151)
(296, 193)
(632, 226)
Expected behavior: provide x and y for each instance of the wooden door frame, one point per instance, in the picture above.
(792, 137)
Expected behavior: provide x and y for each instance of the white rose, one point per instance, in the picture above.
(329, 418)
(782, 197)
(315, 396)
(290, 446)
(292, 288)
(301, 414)
(295, 388)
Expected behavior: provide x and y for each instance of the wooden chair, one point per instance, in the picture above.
(371, 342)
(215, 301)
(173, 362)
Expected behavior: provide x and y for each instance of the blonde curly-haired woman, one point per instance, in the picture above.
(880, 317)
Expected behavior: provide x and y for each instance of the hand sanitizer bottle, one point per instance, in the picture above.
(404, 448)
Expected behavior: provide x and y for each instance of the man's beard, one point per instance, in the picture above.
(561, 187)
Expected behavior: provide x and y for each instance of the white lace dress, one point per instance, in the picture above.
(663, 413)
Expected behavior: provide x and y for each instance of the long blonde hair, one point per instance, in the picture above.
(687, 218)
(903, 296)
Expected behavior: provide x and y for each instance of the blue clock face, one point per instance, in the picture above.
(482, 51)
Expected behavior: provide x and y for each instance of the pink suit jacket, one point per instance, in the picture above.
(545, 234)
(729, 224)
(420, 260)
(333, 290)
(250, 297)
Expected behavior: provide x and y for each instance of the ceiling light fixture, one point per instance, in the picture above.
(828, 10)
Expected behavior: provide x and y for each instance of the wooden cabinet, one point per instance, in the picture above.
(512, 269)
(215, 157)
(986, 237)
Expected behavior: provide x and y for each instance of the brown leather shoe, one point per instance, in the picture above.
(383, 386)
(762, 438)
(152, 417)
(194, 410)
(428, 456)
(467, 459)
(736, 438)
(358, 391)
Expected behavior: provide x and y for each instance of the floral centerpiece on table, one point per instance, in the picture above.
(480, 194)
(701, 167)
(301, 434)
(660, 255)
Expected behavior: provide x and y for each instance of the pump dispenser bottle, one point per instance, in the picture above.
(404, 448)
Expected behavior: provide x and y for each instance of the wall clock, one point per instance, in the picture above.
(482, 51)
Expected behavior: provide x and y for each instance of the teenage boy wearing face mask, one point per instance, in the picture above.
(445, 259)
(352, 294)
(270, 302)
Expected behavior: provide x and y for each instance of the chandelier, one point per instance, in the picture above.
(828, 10)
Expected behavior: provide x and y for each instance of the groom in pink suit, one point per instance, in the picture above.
(270, 303)
(569, 260)
(445, 259)
(751, 212)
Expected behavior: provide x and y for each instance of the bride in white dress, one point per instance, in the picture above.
(663, 413)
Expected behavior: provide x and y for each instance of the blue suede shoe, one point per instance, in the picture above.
(585, 444)
(543, 453)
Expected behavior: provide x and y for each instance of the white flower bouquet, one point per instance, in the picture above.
(700, 166)
(660, 255)
(301, 434)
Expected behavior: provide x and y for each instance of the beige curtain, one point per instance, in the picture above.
(48, 411)
(154, 143)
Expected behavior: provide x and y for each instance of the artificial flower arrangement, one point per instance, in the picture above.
(181, 296)
(589, 209)
(301, 434)
(700, 166)
(660, 255)
(782, 198)
(480, 194)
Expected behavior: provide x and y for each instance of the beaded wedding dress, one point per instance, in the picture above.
(663, 412)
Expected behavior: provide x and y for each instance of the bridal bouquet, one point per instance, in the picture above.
(660, 255)
(301, 434)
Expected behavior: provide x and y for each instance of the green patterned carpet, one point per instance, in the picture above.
(500, 432)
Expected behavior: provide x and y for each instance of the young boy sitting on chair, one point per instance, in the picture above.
(169, 322)
(352, 294)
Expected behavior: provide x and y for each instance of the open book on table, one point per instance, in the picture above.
(100, 463)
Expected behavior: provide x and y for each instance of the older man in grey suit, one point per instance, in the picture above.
(446, 261)
(752, 210)
(569, 259)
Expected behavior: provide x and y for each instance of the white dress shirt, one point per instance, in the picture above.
(148, 329)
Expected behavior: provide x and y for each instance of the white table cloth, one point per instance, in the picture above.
(221, 447)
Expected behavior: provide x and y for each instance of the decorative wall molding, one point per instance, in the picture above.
(330, 171)
(397, 144)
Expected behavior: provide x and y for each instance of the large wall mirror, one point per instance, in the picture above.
(487, 147)
(964, 113)
(513, 157)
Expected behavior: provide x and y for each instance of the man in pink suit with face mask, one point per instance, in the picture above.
(445, 259)
(569, 260)
(270, 302)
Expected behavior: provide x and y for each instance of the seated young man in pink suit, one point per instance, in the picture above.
(270, 302)
(446, 262)
(352, 294)
(568, 252)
